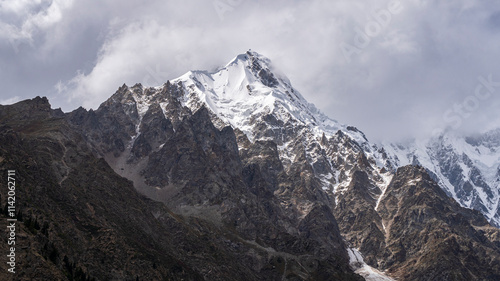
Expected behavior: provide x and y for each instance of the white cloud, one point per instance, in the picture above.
(23, 20)
(10, 100)
(32, 15)
(142, 52)
(427, 57)
(19, 6)
(49, 16)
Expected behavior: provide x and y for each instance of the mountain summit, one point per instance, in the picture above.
(249, 87)
(246, 88)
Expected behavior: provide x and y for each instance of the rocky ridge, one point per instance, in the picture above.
(82, 221)
(467, 168)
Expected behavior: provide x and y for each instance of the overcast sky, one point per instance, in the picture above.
(393, 69)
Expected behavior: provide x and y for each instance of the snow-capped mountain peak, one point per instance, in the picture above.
(249, 87)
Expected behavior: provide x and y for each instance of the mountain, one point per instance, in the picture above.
(237, 163)
(468, 168)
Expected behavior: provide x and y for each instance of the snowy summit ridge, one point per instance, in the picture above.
(248, 87)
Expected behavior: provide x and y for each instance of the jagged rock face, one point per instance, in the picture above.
(196, 154)
(359, 221)
(265, 75)
(466, 168)
(452, 166)
(414, 231)
(116, 234)
(26, 113)
(157, 129)
(427, 233)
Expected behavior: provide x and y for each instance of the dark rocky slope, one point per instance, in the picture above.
(417, 232)
(430, 237)
(82, 221)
